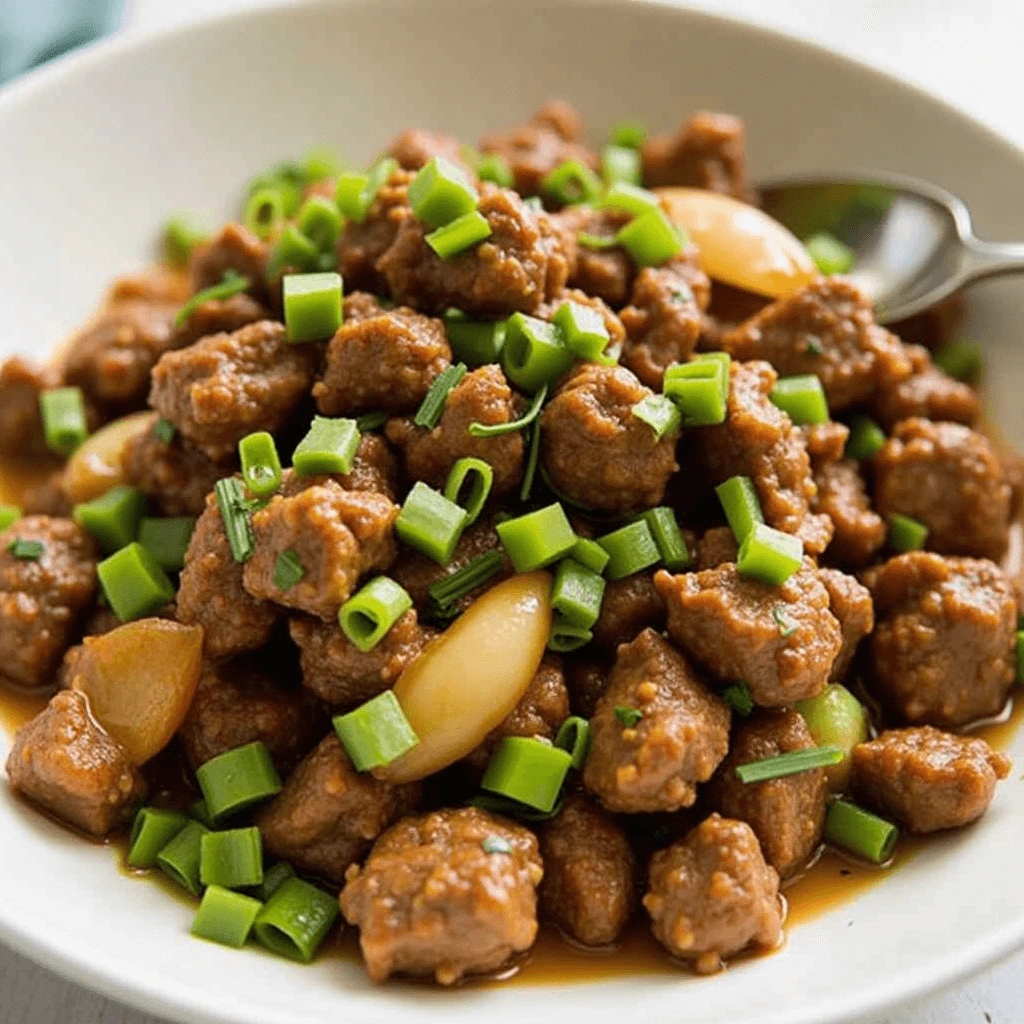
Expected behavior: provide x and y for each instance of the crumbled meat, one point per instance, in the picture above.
(859, 531)
(850, 602)
(232, 248)
(21, 425)
(928, 392)
(586, 678)
(608, 272)
(46, 496)
(826, 442)
(630, 606)
(717, 546)
(217, 316)
(415, 148)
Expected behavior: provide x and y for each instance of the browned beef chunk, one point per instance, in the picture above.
(533, 149)
(759, 440)
(448, 894)
(711, 895)
(338, 536)
(482, 396)
(176, 477)
(787, 814)
(328, 814)
(43, 600)
(596, 451)
(826, 442)
(46, 497)
(590, 873)
(218, 316)
(523, 263)
(21, 426)
(586, 678)
(942, 652)
(415, 148)
(927, 779)
(781, 641)
(606, 272)
(681, 736)
(340, 674)
(717, 546)
(948, 477)
(927, 392)
(238, 703)
(850, 602)
(630, 606)
(382, 361)
(664, 317)
(228, 385)
(859, 529)
(708, 151)
(63, 761)
(232, 248)
(374, 468)
(211, 594)
(827, 328)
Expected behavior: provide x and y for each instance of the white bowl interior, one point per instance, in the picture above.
(99, 148)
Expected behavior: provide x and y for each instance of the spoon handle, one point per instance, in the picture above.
(986, 259)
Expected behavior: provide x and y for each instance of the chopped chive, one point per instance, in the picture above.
(180, 858)
(571, 182)
(589, 553)
(906, 533)
(475, 342)
(371, 421)
(296, 919)
(583, 328)
(356, 193)
(367, 616)
(238, 779)
(566, 636)
(661, 414)
(786, 628)
(737, 696)
(664, 527)
(497, 429)
(700, 388)
(651, 239)
(510, 808)
(528, 771)
(860, 832)
(319, 219)
(232, 858)
(312, 306)
(459, 235)
(376, 733)
(577, 593)
(630, 198)
(597, 242)
(629, 133)
(264, 212)
(233, 283)
(481, 478)
(962, 360)
(428, 415)
(26, 550)
(814, 347)
(225, 917)
(866, 438)
(164, 431)
(631, 549)
(230, 494)
(494, 167)
(261, 467)
(628, 717)
(538, 538)
(291, 253)
(329, 447)
(535, 352)
(574, 738)
(9, 515)
(741, 505)
(769, 555)
(152, 829)
(621, 164)
(792, 763)
(802, 398)
(441, 193)
(134, 583)
(273, 878)
(179, 239)
(496, 844)
(829, 255)
(446, 591)
(288, 570)
(430, 523)
(113, 518)
(63, 414)
(532, 461)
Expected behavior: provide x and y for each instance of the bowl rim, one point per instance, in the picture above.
(149, 996)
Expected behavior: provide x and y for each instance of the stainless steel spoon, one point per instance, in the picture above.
(913, 242)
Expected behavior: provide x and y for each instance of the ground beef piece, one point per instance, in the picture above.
(586, 678)
(717, 546)
(590, 873)
(928, 779)
(237, 703)
(711, 895)
(21, 426)
(655, 763)
(63, 761)
(759, 440)
(338, 536)
(386, 361)
(928, 392)
(851, 604)
(664, 318)
(340, 674)
(826, 328)
(211, 594)
(708, 151)
(781, 641)
(533, 149)
(328, 814)
(228, 385)
(232, 248)
(523, 263)
(415, 148)
(433, 900)
(46, 497)
(607, 272)
(176, 477)
(596, 451)
(826, 442)
(43, 600)
(630, 606)
(218, 316)
(948, 477)
(859, 529)
(374, 468)
(482, 396)
(942, 651)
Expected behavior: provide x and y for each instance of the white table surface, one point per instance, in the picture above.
(967, 52)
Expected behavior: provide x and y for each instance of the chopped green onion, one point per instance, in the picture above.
(356, 193)
(629, 134)
(497, 429)
(320, 164)
(534, 203)
(198, 810)
(320, 221)
(179, 239)
(441, 193)
(167, 540)
(264, 212)
(366, 617)
(273, 878)
(786, 628)
(1020, 656)
(296, 919)
(571, 182)
(535, 352)
(481, 478)
(238, 779)
(288, 570)
(590, 554)
(430, 523)
(628, 717)
(860, 832)
(906, 533)
(428, 415)
(630, 198)
(829, 255)
(234, 512)
(583, 329)
(27, 550)
(621, 163)
(233, 283)
(597, 242)
(113, 518)
(741, 505)
(567, 636)
(577, 593)
(261, 467)
(496, 844)
(532, 461)
(792, 763)
(631, 549)
(287, 180)
(376, 733)
(164, 431)
(63, 414)
(700, 388)
(133, 582)
(371, 421)
(509, 808)
(661, 414)
(651, 239)
(527, 770)
(494, 167)
(769, 555)
(459, 235)
(814, 347)
(312, 306)
(962, 360)
(9, 515)
(152, 829)
(291, 253)
(231, 859)
(664, 527)
(180, 858)
(866, 438)
(475, 342)
(329, 447)
(446, 591)
(225, 917)
(574, 738)
(802, 398)
(737, 696)
(538, 538)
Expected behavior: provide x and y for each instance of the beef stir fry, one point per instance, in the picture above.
(504, 534)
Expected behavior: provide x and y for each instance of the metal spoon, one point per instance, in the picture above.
(913, 242)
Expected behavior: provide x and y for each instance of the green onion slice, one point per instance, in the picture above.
(738, 697)
(233, 283)
(538, 538)
(432, 407)
(234, 511)
(288, 570)
(860, 832)
(225, 917)
(446, 591)
(430, 523)
(481, 478)
(792, 763)
(769, 555)
(527, 770)
(296, 919)
(376, 733)
(261, 467)
(238, 779)
(574, 738)
(367, 616)
(497, 429)
(329, 447)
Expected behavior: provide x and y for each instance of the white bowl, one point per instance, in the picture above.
(100, 146)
